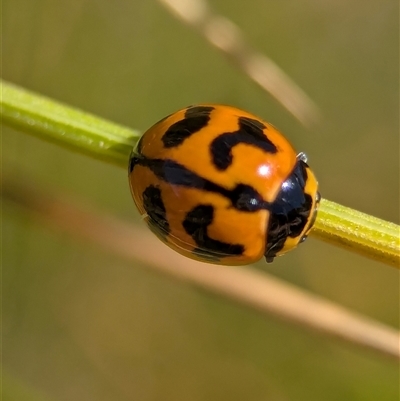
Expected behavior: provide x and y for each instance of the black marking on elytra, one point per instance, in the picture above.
(134, 157)
(196, 118)
(243, 197)
(196, 225)
(290, 211)
(250, 132)
(133, 161)
(198, 111)
(154, 207)
(247, 199)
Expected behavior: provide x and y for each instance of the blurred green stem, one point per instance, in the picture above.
(101, 139)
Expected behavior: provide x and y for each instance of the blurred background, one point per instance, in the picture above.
(80, 324)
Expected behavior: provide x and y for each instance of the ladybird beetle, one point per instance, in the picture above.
(218, 184)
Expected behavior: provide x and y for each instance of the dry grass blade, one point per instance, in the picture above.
(229, 39)
(248, 287)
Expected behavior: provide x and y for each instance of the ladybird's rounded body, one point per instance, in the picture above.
(218, 184)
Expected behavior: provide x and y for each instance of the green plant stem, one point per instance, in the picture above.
(65, 126)
(359, 232)
(101, 139)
